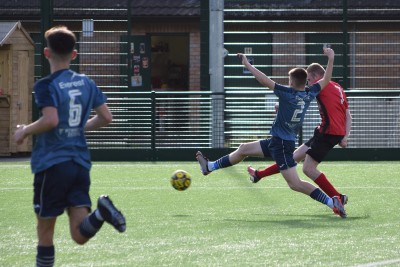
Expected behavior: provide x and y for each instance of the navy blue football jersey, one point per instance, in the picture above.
(74, 95)
(293, 105)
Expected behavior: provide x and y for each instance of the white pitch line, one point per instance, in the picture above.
(161, 164)
(379, 263)
(225, 188)
(184, 163)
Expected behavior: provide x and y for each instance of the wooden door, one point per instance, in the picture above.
(21, 101)
(4, 102)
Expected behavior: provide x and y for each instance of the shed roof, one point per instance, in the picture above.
(7, 28)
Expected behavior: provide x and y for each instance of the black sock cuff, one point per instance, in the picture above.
(45, 256)
(90, 226)
(45, 251)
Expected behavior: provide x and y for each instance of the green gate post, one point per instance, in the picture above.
(128, 46)
(46, 13)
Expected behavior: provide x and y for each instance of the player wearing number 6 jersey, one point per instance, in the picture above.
(294, 101)
(60, 159)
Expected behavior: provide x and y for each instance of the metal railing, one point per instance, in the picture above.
(165, 120)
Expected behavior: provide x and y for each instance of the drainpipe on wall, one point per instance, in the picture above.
(216, 71)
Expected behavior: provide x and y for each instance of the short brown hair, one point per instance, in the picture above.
(60, 40)
(298, 77)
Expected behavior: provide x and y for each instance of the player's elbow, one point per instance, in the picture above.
(104, 115)
(348, 116)
(107, 119)
(51, 122)
(104, 119)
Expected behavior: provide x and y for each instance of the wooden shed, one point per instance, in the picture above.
(16, 84)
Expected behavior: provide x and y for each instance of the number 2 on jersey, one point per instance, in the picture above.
(297, 113)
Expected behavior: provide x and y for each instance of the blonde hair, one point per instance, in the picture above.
(316, 70)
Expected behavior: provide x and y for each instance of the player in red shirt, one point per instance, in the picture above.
(334, 129)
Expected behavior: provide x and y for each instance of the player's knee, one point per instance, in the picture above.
(241, 147)
(79, 240)
(294, 186)
(243, 150)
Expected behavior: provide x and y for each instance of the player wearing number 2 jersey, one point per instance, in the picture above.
(60, 159)
(294, 101)
(334, 129)
(294, 104)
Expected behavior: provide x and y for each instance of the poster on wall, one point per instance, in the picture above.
(145, 62)
(140, 62)
(142, 48)
(135, 59)
(136, 80)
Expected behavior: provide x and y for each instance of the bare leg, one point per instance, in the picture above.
(310, 169)
(45, 231)
(243, 151)
(76, 217)
(251, 149)
(298, 155)
(45, 248)
(294, 182)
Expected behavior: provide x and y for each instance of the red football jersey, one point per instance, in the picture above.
(332, 104)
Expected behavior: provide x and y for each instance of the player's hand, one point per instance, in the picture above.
(329, 52)
(19, 134)
(343, 142)
(276, 107)
(243, 58)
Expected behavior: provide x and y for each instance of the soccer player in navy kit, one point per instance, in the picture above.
(334, 129)
(60, 159)
(294, 101)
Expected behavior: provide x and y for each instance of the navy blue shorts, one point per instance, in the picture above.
(61, 186)
(280, 150)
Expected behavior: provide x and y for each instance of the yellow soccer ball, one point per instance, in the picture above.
(180, 180)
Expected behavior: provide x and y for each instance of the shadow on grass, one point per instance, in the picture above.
(300, 221)
(181, 215)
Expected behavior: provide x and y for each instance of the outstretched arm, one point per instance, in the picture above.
(260, 77)
(329, 68)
